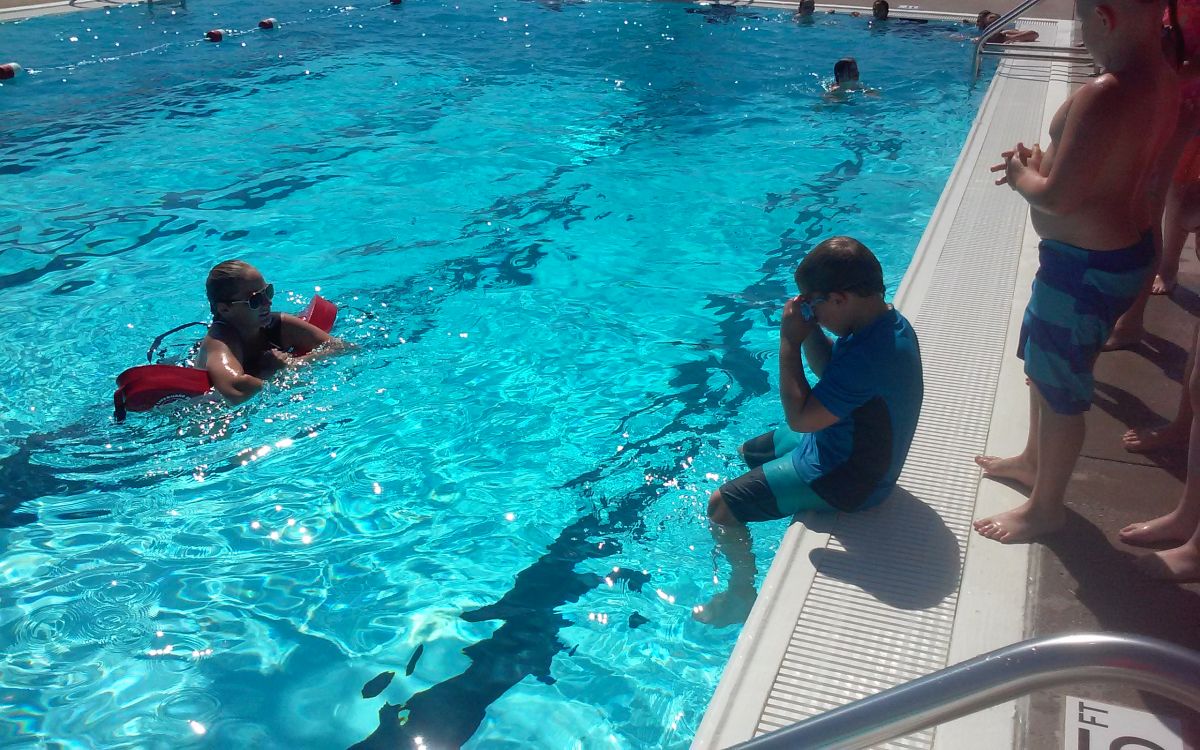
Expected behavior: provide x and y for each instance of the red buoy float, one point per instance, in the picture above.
(215, 35)
(396, 2)
(9, 70)
(268, 23)
(144, 387)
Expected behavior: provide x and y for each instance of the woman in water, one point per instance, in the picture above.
(247, 343)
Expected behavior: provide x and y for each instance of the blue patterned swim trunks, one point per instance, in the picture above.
(1077, 297)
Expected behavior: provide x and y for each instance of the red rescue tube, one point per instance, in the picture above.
(268, 23)
(320, 312)
(9, 70)
(215, 35)
(147, 386)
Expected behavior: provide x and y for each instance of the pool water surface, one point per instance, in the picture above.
(560, 235)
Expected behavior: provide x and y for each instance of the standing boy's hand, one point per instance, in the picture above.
(794, 328)
(1025, 157)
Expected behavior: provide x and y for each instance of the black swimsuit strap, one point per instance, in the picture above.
(274, 330)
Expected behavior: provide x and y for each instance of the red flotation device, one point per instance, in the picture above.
(145, 387)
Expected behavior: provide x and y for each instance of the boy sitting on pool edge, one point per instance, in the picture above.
(846, 438)
(247, 343)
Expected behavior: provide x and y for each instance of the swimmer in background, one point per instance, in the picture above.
(247, 343)
(880, 11)
(845, 79)
(805, 11)
(1005, 36)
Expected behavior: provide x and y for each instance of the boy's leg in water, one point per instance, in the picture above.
(732, 538)
(771, 491)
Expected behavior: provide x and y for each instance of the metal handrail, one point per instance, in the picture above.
(999, 24)
(1145, 663)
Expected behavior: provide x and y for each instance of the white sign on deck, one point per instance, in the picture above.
(1092, 725)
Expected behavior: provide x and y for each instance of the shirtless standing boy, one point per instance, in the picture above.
(1090, 201)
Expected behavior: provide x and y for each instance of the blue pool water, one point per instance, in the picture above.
(560, 233)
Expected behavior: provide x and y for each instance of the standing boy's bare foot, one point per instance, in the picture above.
(1162, 286)
(1121, 338)
(1021, 524)
(1148, 439)
(1181, 565)
(1017, 468)
(1173, 527)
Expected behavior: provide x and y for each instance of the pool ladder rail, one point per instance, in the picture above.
(1148, 664)
(1044, 52)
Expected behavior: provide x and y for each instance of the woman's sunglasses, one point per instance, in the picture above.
(257, 299)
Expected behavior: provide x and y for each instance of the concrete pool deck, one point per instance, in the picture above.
(15, 10)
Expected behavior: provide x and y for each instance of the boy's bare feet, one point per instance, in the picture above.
(1122, 338)
(1017, 468)
(1181, 565)
(1173, 527)
(1162, 286)
(1149, 439)
(726, 608)
(1021, 524)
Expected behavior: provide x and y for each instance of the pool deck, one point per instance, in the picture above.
(858, 603)
(15, 10)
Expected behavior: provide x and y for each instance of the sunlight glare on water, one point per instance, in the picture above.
(559, 233)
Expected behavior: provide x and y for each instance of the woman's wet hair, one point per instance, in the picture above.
(224, 280)
(840, 264)
(842, 68)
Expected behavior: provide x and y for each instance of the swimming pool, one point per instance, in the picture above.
(560, 234)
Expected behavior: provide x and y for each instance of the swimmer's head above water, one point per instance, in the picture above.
(845, 72)
(239, 295)
(985, 18)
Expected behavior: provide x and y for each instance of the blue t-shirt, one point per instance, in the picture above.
(874, 386)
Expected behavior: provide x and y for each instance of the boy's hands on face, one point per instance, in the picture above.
(795, 328)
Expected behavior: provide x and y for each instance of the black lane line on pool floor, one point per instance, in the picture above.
(450, 712)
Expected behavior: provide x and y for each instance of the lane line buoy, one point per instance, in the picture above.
(9, 70)
(215, 35)
(268, 23)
